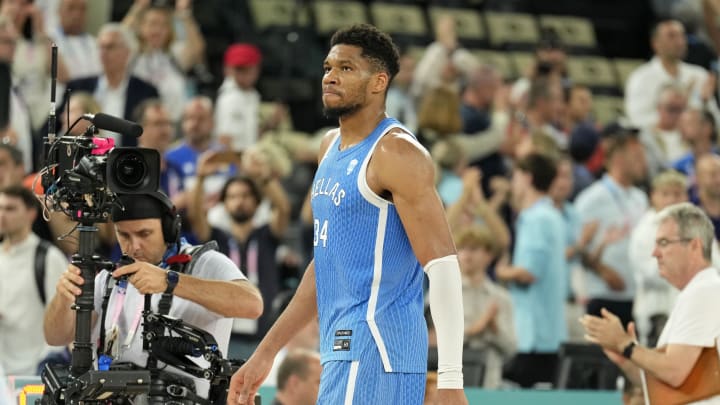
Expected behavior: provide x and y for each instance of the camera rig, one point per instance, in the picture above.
(81, 178)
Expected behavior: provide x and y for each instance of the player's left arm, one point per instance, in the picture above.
(401, 167)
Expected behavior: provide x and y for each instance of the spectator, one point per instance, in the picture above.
(80, 103)
(489, 326)
(400, 103)
(699, 131)
(583, 145)
(19, 130)
(162, 61)
(117, 91)
(21, 306)
(708, 189)
(443, 62)
(32, 62)
(538, 274)
(479, 105)
(238, 104)
(550, 63)
(643, 86)
(158, 133)
(451, 162)
(252, 247)
(654, 297)
(682, 249)
(74, 43)
(197, 134)
(298, 378)
(662, 140)
(579, 107)
(308, 339)
(544, 103)
(617, 205)
(472, 208)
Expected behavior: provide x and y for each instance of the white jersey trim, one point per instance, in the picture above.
(365, 190)
(352, 378)
(329, 148)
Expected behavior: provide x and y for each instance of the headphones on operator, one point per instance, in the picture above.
(134, 206)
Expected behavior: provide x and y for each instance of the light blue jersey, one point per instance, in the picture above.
(369, 282)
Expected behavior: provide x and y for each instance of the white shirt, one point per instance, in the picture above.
(644, 84)
(80, 53)
(20, 122)
(654, 295)
(159, 69)
(611, 205)
(112, 102)
(237, 114)
(22, 343)
(694, 321)
(211, 265)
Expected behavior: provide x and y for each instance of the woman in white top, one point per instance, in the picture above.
(163, 60)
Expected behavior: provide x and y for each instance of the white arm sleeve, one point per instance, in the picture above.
(446, 307)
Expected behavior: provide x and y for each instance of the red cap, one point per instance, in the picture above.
(238, 55)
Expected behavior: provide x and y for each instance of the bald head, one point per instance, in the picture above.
(197, 121)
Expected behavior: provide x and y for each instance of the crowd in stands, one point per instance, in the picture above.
(552, 209)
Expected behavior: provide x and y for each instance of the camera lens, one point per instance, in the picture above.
(130, 170)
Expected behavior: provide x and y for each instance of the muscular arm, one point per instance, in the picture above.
(301, 309)
(403, 168)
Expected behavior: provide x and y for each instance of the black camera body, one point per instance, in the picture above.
(83, 174)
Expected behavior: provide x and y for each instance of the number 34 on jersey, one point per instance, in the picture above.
(320, 232)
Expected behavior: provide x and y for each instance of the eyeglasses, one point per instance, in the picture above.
(662, 242)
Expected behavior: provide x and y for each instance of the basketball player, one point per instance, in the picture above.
(378, 224)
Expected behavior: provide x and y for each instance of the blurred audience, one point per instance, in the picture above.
(616, 205)
(699, 131)
(489, 328)
(538, 273)
(162, 60)
(78, 47)
(116, 90)
(643, 86)
(662, 140)
(23, 301)
(654, 297)
(298, 378)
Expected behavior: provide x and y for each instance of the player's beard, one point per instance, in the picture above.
(337, 112)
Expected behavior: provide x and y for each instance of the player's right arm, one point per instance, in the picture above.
(301, 310)
(59, 321)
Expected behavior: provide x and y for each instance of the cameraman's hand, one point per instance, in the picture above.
(68, 286)
(145, 277)
(245, 383)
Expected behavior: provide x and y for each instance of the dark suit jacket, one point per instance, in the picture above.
(137, 91)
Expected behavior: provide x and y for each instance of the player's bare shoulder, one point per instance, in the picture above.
(399, 157)
(399, 148)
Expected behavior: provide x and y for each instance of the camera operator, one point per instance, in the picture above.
(148, 231)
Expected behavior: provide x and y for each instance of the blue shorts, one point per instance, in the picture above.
(364, 382)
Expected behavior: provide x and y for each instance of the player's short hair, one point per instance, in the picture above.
(377, 46)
